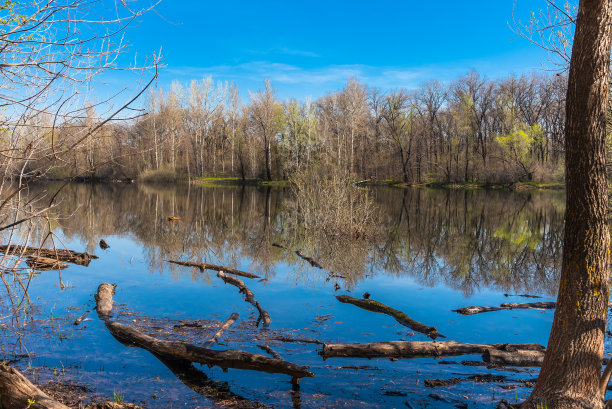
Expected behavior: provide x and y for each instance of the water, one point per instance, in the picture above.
(428, 252)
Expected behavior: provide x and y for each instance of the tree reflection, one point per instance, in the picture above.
(467, 240)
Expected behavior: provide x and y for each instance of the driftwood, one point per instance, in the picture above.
(506, 306)
(16, 391)
(436, 383)
(514, 358)
(416, 349)
(206, 266)
(183, 351)
(70, 256)
(103, 244)
(264, 317)
(215, 338)
(81, 318)
(399, 316)
(45, 263)
(269, 350)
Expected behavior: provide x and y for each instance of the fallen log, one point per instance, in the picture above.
(402, 318)
(70, 256)
(269, 350)
(215, 267)
(45, 263)
(514, 358)
(436, 383)
(505, 306)
(248, 296)
(416, 349)
(215, 338)
(224, 359)
(16, 391)
(187, 352)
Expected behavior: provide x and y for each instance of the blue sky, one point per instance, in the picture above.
(308, 49)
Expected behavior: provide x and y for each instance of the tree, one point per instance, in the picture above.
(570, 375)
(51, 50)
(264, 115)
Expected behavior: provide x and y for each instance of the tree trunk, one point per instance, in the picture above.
(571, 370)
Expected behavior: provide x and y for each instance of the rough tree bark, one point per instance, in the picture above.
(571, 370)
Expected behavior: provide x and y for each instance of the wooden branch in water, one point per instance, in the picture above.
(248, 296)
(514, 358)
(81, 318)
(206, 266)
(506, 306)
(402, 318)
(192, 353)
(16, 391)
(187, 352)
(215, 338)
(70, 256)
(416, 349)
(269, 350)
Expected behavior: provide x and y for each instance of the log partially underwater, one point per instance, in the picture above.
(215, 338)
(506, 306)
(248, 296)
(187, 352)
(215, 267)
(514, 358)
(16, 391)
(70, 256)
(417, 349)
(402, 318)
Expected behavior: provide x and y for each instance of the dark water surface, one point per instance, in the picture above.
(432, 251)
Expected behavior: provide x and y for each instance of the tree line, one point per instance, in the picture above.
(470, 129)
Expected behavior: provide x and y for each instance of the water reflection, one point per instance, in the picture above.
(467, 240)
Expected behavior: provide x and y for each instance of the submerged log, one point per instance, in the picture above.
(215, 338)
(506, 306)
(215, 267)
(248, 296)
(70, 256)
(187, 352)
(514, 358)
(104, 300)
(402, 318)
(16, 391)
(416, 349)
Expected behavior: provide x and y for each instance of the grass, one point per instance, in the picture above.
(118, 397)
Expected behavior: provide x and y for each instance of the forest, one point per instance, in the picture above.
(469, 130)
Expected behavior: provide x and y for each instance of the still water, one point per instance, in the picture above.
(429, 252)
